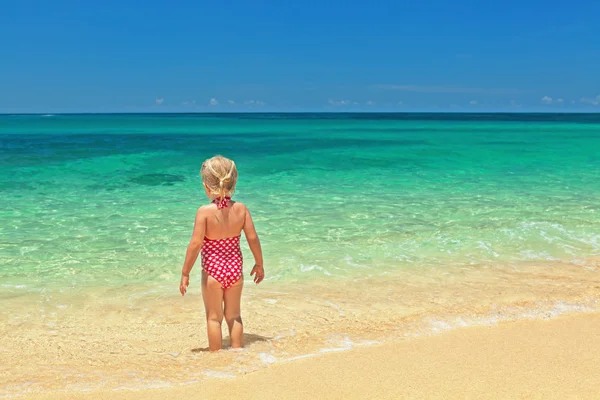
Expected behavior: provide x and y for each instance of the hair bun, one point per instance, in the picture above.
(219, 175)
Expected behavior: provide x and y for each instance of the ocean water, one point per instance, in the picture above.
(374, 227)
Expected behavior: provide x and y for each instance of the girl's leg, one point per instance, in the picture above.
(232, 297)
(212, 294)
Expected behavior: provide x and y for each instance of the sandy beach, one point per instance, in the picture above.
(531, 359)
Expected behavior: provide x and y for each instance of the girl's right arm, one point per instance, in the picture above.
(193, 250)
(254, 242)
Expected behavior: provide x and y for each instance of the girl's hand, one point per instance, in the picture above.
(259, 273)
(185, 282)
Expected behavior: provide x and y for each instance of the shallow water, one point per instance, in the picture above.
(374, 227)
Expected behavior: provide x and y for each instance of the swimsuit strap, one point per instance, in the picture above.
(222, 202)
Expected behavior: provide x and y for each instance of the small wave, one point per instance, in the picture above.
(436, 325)
(266, 358)
(9, 286)
(309, 268)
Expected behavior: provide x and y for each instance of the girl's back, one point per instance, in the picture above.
(226, 222)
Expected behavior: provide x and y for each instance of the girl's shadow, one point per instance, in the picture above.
(249, 338)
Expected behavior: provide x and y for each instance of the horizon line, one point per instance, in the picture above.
(292, 112)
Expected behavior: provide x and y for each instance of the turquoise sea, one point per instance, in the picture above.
(110, 199)
(105, 204)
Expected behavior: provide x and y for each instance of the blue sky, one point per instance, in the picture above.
(437, 55)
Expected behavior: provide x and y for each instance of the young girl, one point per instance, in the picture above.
(217, 233)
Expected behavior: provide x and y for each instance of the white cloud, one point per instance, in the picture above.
(400, 103)
(447, 89)
(550, 100)
(593, 101)
(473, 102)
(370, 103)
(254, 103)
(231, 102)
(338, 102)
(188, 103)
(213, 102)
(159, 101)
(513, 103)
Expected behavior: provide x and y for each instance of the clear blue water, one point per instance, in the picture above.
(109, 199)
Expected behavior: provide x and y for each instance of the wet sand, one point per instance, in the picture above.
(531, 359)
(145, 337)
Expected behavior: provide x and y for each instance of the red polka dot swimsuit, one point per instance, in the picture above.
(222, 258)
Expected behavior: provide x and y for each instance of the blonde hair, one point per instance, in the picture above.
(219, 174)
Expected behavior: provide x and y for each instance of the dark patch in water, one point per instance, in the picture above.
(157, 179)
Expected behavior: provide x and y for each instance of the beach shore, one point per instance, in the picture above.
(532, 359)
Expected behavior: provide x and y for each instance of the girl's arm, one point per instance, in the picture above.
(254, 243)
(193, 250)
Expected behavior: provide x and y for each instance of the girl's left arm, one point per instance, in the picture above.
(193, 250)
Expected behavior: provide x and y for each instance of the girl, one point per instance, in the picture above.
(217, 232)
